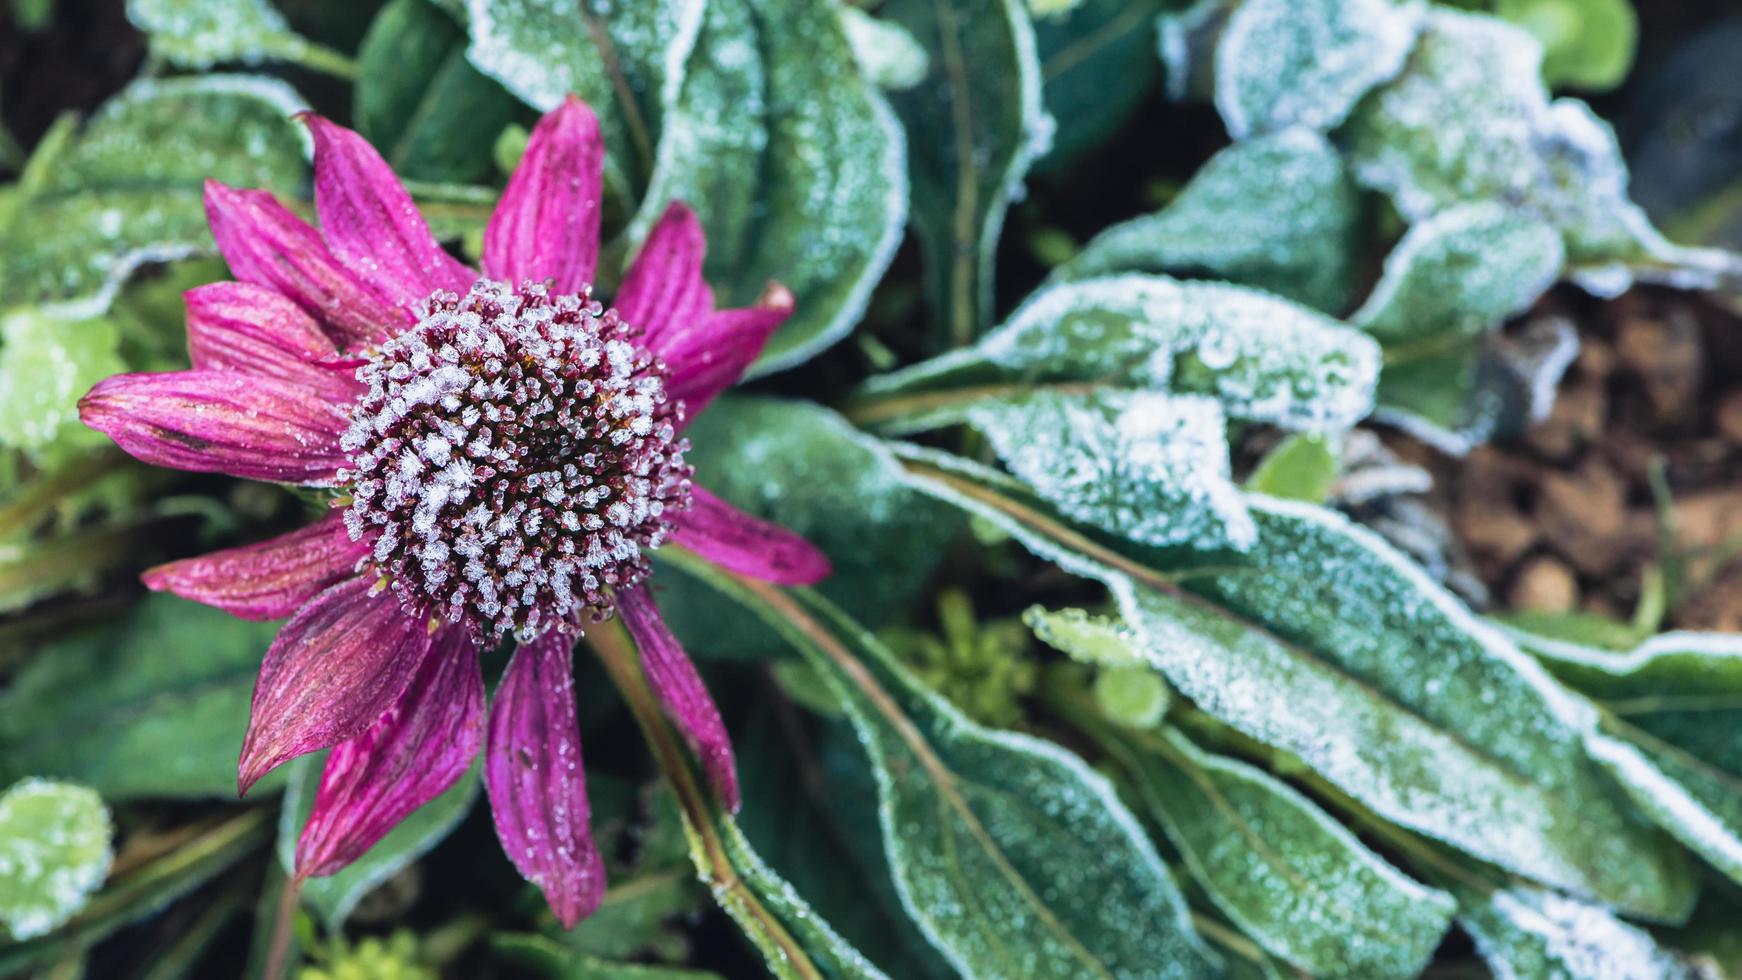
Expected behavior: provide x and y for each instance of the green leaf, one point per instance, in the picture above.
(1149, 467)
(792, 160)
(1097, 65)
(887, 54)
(1013, 856)
(1671, 710)
(1263, 358)
(803, 467)
(146, 889)
(127, 191)
(54, 852)
(153, 704)
(1290, 876)
(203, 33)
(46, 365)
(1277, 212)
(1588, 44)
(333, 897)
(1301, 467)
(434, 117)
(1325, 643)
(625, 59)
(1460, 273)
(973, 127)
(550, 959)
(1469, 119)
(1527, 932)
(1282, 63)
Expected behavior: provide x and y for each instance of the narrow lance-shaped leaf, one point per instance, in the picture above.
(1277, 212)
(1670, 713)
(1527, 932)
(973, 124)
(1263, 358)
(1015, 858)
(1283, 63)
(128, 189)
(1097, 66)
(1323, 642)
(793, 162)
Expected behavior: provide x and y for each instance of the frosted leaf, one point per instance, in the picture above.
(1098, 67)
(1262, 358)
(1278, 212)
(1013, 857)
(793, 162)
(128, 189)
(1325, 643)
(202, 33)
(543, 50)
(1529, 933)
(1103, 641)
(333, 897)
(54, 852)
(1285, 872)
(46, 366)
(1186, 41)
(1668, 732)
(1469, 119)
(887, 54)
(1461, 272)
(1150, 467)
(1284, 63)
(974, 125)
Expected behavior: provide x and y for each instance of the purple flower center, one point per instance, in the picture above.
(513, 457)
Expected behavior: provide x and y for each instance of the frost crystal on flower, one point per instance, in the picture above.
(513, 456)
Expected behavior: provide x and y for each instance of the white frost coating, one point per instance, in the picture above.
(271, 91)
(1462, 272)
(1714, 647)
(887, 53)
(1263, 358)
(202, 33)
(54, 852)
(1669, 803)
(1152, 468)
(1283, 63)
(1183, 38)
(1527, 933)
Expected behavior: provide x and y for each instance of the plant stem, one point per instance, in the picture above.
(325, 60)
(283, 922)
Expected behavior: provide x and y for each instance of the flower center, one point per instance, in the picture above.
(513, 456)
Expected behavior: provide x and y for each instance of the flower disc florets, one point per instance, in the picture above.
(513, 455)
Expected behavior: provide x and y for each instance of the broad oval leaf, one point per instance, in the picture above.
(1469, 119)
(1276, 211)
(127, 191)
(1320, 640)
(1014, 858)
(54, 852)
(1461, 273)
(974, 125)
(1293, 878)
(1263, 358)
(153, 704)
(1670, 712)
(1282, 63)
(794, 163)
(1150, 467)
(1523, 933)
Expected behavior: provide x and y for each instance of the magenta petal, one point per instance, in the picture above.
(673, 677)
(536, 781)
(737, 542)
(239, 326)
(265, 244)
(269, 580)
(547, 223)
(409, 756)
(250, 426)
(339, 663)
(664, 293)
(705, 361)
(370, 221)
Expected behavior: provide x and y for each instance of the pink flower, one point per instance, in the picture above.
(503, 451)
